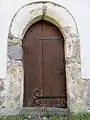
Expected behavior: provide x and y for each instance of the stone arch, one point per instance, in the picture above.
(33, 12)
(62, 18)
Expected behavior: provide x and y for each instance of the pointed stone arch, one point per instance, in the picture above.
(62, 18)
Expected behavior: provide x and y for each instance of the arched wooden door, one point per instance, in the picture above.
(44, 66)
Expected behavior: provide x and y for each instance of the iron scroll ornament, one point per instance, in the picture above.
(38, 103)
(36, 97)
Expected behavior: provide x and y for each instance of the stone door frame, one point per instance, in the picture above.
(62, 18)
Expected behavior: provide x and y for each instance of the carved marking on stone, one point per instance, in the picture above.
(44, 9)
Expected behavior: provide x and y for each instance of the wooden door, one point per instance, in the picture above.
(44, 66)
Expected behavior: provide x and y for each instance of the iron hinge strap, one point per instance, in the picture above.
(37, 97)
(50, 97)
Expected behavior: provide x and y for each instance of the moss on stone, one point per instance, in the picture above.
(14, 42)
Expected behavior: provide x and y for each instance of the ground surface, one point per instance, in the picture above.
(48, 117)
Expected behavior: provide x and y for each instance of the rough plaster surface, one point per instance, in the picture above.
(11, 95)
(11, 89)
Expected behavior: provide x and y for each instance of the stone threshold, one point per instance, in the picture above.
(45, 111)
(37, 111)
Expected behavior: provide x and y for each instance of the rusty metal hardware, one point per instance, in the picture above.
(37, 97)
